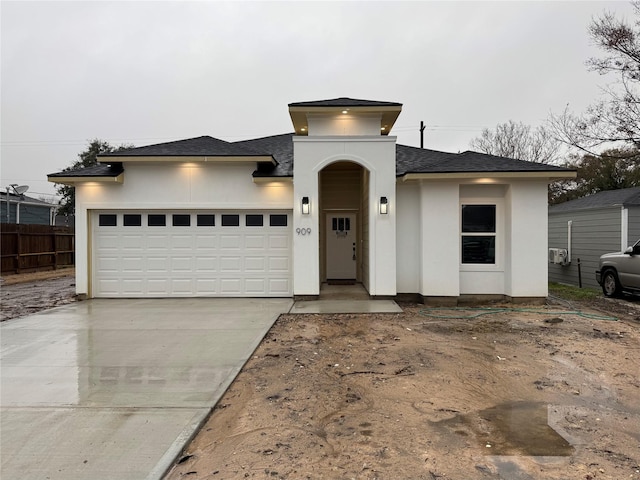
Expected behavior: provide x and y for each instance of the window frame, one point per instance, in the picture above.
(498, 235)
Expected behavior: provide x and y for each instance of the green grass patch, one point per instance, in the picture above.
(569, 292)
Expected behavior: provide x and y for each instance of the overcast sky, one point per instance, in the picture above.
(154, 71)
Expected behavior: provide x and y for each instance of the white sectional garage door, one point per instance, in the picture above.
(191, 254)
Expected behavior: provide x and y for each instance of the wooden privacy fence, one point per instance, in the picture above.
(32, 248)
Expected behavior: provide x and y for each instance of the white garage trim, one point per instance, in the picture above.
(197, 253)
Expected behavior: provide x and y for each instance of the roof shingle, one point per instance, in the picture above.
(609, 198)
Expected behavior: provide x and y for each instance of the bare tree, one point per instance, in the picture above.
(517, 140)
(616, 118)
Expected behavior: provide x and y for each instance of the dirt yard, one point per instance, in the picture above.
(509, 395)
(28, 293)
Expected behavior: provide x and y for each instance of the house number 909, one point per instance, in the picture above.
(303, 231)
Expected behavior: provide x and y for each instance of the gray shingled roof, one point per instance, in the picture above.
(280, 148)
(623, 197)
(345, 102)
(440, 162)
(24, 199)
(101, 170)
(204, 146)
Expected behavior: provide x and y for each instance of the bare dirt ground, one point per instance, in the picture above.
(27, 293)
(509, 395)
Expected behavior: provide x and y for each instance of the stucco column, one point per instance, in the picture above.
(439, 239)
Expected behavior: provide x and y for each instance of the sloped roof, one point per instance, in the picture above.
(100, 170)
(280, 147)
(345, 102)
(204, 146)
(25, 199)
(609, 198)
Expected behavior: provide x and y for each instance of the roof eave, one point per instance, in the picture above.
(188, 158)
(73, 180)
(547, 175)
(265, 180)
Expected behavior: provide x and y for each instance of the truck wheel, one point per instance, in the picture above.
(610, 284)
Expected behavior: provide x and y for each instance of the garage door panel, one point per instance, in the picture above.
(132, 243)
(231, 286)
(158, 286)
(196, 258)
(254, 264)
(254, 242)
(279, 264)
(132, 286)
(181, 286)
(207, 242)
(108, 242)
(181, 264)
(109, 286)
(158, 265)
(107, 264)
(231, 264)
(157, 242)
(230, 242)
(279, 286)
(206, 286)
(182, 242)
(279, 242)
(133, 264)
(254, 286)
(206, 264)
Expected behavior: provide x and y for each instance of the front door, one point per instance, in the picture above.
(341, 246)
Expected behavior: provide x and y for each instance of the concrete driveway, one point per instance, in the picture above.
(108, 389)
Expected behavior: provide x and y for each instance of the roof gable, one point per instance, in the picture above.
(345, 102)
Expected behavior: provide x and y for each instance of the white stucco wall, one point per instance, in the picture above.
(408, 252)
(527, 233)
(377, 155)
(173, 186)
(345, 124)
(429, 238)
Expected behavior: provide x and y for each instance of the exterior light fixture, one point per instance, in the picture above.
(384, 206)
(344, 112)
(305, 206)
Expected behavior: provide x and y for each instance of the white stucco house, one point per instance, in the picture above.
(337, 201)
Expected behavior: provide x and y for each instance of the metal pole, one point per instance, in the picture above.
(579, 274)
(8, 205)
(421, 134)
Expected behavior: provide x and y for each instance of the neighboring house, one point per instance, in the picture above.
(589, 227)
(25, 210)
(336, 201)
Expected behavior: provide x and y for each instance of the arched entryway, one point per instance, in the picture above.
(343, 224)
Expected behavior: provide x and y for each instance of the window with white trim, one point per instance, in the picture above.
(478, 234)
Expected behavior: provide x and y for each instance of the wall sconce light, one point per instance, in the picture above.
(384, 204)
(305, 206)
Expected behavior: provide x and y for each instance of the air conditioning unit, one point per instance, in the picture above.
(558, 256)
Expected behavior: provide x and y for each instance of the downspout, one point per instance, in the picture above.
(569, 225)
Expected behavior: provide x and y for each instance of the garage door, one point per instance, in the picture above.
(191, 254)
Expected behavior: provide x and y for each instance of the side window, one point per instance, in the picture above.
(157, 220)
(277, 220)
(206, 220)
(107, 220)
(181, 220)
(479, 234)
(132, 220)
(230, 220)
(254, 220)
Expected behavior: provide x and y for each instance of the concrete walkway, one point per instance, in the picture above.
(113, 389)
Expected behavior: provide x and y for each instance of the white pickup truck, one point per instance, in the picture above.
(620, 271)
